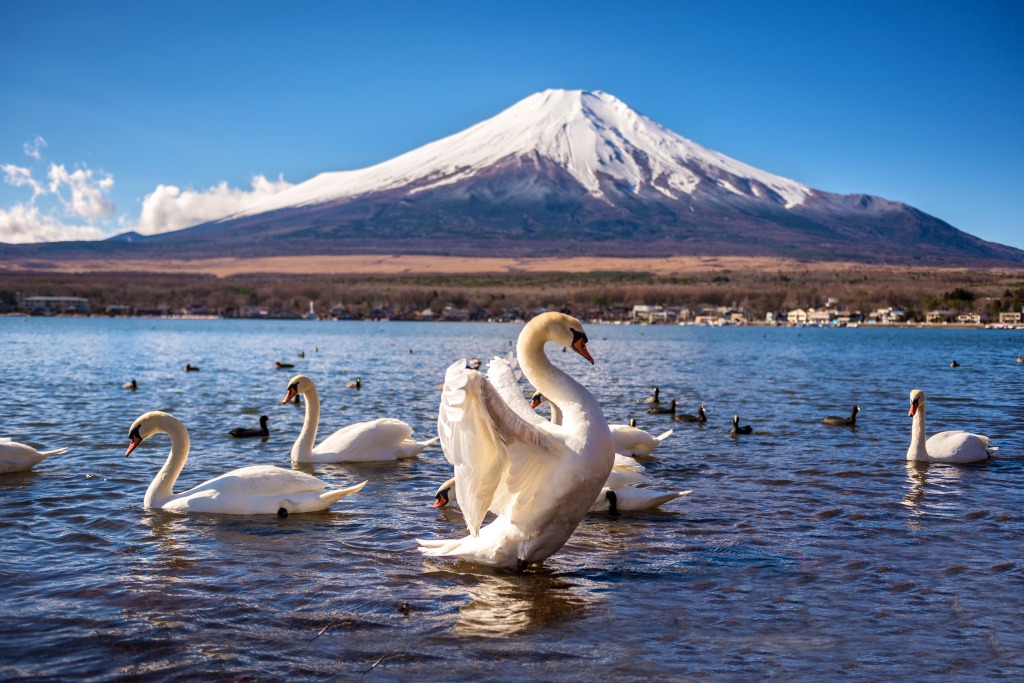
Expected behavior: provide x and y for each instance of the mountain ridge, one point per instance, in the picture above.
(571, 173)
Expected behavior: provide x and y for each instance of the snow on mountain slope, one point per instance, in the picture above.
(589, 134)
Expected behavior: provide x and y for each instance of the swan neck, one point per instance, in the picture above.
(560, 388)
(917, 450)
(303, 446)
(162, 487)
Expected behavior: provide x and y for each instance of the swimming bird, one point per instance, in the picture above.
(736, 429)
(954, 364)
(651, 399)
(836, 421)
(611, 498)
(191, 368)
(278, 365)
(133, 385)
(954, 446)
(19, 457)
(685, 417)
(376, 440)
(658, 409)
(242, 432)
(537, 477)
(355, 384)
(255, 490)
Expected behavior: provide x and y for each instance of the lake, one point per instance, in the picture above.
(805, 552)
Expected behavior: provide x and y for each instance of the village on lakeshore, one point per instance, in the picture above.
(832, 314)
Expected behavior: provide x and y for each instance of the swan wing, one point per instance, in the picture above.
(958, 446)
(384, 433)
(623, 476)
(256, 481)
(484, 439)
(503, 374)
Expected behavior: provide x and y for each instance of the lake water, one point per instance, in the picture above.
(805, 552)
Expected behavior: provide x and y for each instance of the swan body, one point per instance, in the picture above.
(953, 447)
(836, 421)
(19, 457)
(616, 496)
(538, 478)
(377, 440)
(255, 490)
(628, 438)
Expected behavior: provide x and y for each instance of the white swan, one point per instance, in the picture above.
(628, 438)
(19, 457)
(377, 440)
(256, 490)
(537, 477)
(618, 495)
(954, 446)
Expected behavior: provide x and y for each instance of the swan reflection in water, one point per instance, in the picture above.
(931, 479)
(501, 606)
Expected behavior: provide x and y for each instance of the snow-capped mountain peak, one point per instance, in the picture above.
(592, 135)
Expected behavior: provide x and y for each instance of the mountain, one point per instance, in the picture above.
(575, 173)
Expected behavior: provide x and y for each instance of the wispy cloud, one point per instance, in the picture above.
(86, 193)
(68, 205)
(34, 148)
(170, 208)
(19, 176)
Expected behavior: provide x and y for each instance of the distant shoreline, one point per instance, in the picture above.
(756, 323)
(369, 265)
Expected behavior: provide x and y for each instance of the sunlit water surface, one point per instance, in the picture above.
(804, 552)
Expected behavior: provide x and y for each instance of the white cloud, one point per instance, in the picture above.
(79, 195)
(22, 177)
(86, 198)
(34, 148)
(24, 223)
(171, 208)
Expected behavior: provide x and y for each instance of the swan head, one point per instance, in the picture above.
(445, 494)
(537, 399)
(146, 426)
(565, 330)
(916, 402)
(299, 384)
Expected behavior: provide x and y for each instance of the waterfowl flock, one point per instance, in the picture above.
(524, 481)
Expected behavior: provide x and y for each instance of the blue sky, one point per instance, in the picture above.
(124, 115)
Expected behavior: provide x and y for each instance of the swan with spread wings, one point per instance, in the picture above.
(538, 478)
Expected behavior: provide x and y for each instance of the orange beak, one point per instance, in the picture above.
(134, 439)
(292, 392)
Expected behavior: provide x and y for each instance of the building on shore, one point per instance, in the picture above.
(55, 305)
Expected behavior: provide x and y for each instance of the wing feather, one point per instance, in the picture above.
(479, 434)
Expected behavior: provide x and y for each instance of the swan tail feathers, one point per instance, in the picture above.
(331, 497)
(664, 435)
(438, 547)
(57, 451)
